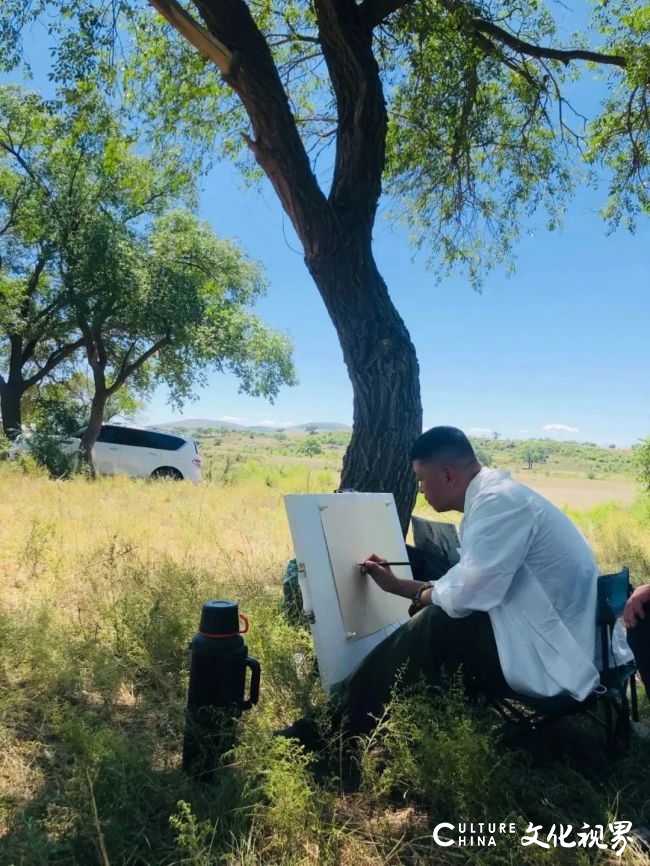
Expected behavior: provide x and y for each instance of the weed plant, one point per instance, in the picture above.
(102, 585)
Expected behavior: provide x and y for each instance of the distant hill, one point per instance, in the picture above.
(320, 425)
(197, 423)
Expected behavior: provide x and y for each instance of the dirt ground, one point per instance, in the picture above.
(580, 493)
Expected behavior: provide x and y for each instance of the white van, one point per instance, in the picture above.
(142, 452)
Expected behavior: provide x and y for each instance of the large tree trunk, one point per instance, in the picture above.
(10, 397)
(383, 369)
(97, 359)
(93, 429)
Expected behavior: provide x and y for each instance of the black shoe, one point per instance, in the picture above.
(306, 732)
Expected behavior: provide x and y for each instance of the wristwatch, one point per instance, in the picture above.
(418, 593)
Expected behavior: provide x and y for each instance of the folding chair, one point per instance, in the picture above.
(530, 714)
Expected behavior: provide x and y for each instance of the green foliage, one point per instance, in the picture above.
(619, 137)
(481, 130)
(310, 447)
(642, 462)
(45, 449)
(289, 809)
(97, 254)
(431, 747)
(340, 439)
(442, 754)
(533, 454)
(460, 115)
(5, 445)
(573, 457)
(619, 535)
(482, 453)
(194, 837)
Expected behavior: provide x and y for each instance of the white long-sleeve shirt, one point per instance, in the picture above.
(525, 563)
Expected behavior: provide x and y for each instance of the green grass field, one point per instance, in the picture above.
(101, 585)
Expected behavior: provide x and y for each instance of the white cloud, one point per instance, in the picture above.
(480, 432)
(523, 431)
(276, 424)
(559, 428)
(231, 419)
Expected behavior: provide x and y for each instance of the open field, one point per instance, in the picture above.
(100, 590)
(580, 492)
(572, 476)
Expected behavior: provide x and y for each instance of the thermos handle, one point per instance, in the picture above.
(228, 634)
(254, 695)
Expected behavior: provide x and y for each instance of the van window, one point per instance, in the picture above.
(137, 438)
(163, 441)
(174, 443)
(106, 434)
(130, 436)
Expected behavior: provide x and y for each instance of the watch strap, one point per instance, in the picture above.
(418, 593)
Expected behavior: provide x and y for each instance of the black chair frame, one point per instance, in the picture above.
(532, 714)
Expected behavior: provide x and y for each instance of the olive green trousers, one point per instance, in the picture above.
(431, 646)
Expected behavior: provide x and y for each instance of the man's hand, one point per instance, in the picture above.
(634, 607)
(382, 575)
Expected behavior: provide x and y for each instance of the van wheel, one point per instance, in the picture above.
(167, 472)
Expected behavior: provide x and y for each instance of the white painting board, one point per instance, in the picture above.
(353, 530)
(348, 613)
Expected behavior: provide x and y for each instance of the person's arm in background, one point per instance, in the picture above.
(635, 606)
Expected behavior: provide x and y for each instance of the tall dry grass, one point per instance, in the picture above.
(56, 534)
(100, 589)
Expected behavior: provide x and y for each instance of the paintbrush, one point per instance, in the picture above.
(364, 568)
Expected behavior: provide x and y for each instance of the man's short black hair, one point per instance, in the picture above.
(447, 444)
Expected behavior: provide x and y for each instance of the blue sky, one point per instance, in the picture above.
(560, 349)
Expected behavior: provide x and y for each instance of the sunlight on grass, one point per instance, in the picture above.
(101, 587)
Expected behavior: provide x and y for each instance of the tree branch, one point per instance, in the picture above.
(12, 210)
(563, 55)
(207, 44)
(54, 360)
(101, 348)
(360, 107)
(10, 150)
(125, 359)
(127, 371)
(276, 143)
(373, 12)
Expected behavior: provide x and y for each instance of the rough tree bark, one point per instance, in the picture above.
(92, 431)
(99, 362)
(383, 369)
(12, 389)
(10, 397)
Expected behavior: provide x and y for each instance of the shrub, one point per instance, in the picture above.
(642, 462)
(45, 446)
(310, 447)
(433, 749)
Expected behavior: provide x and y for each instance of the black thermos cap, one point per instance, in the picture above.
(220, 618)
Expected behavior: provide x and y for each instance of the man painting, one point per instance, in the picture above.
(517, 611)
